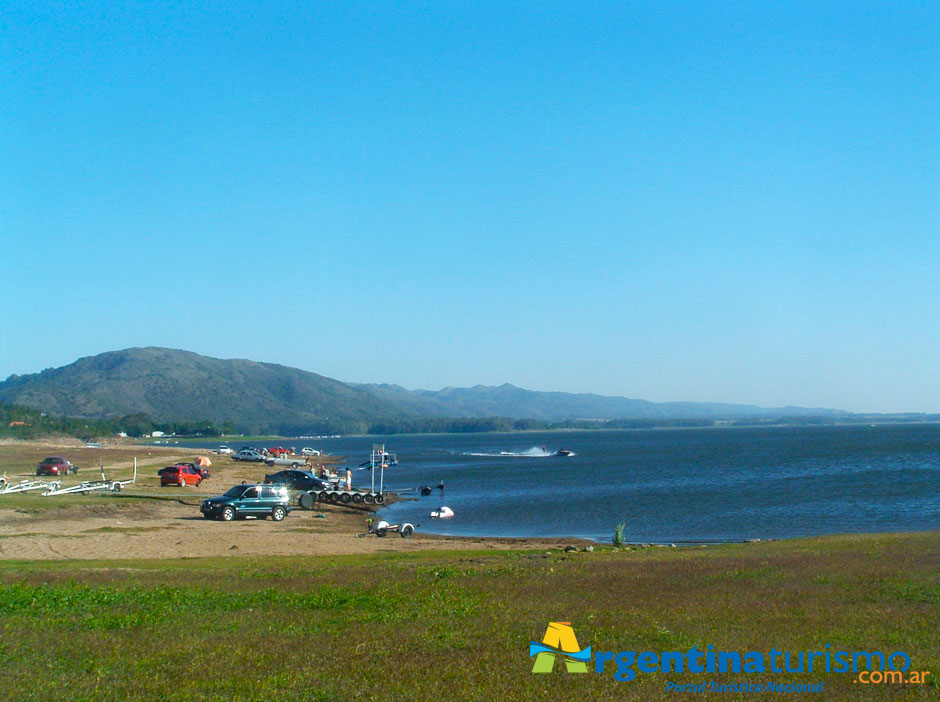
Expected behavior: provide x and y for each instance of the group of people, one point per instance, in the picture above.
(322, 472)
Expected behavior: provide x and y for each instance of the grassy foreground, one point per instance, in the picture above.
(456, 626)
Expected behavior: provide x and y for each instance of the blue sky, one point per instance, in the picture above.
(673, 201)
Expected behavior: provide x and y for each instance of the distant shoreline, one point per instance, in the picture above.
(226, 438)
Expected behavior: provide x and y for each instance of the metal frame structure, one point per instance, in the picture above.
(93, 485)
(6, 487)
(378, 452)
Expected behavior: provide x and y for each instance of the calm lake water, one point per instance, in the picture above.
(665, 485)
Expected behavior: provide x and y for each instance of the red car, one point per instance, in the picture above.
(203, 472)
(55, 465)
(279, 451)
(181, 475)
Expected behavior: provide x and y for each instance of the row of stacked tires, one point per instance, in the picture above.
(307, 499)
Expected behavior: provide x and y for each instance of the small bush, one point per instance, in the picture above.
(618, 535)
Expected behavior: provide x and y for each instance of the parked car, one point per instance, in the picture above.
(224, 450)
(55, 465)
(279, 451)
(249, 455)
(309, 452)
(297, 480)
(291, 461)
(204, 472)
(260, 501)
(180, 474)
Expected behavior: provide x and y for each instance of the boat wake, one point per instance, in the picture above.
(534, 452)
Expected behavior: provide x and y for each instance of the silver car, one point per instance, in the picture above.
(248, 455)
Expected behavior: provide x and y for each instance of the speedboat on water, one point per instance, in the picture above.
(564, 452)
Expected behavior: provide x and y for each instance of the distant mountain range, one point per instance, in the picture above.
(174, 385)
(509, 401)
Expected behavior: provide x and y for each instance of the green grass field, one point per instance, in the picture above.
(456, 625)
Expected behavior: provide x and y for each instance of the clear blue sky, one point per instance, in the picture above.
(672, 201)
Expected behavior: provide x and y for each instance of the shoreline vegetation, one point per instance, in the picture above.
(18, 422)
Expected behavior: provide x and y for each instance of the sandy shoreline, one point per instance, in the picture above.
(175, 529)
(149, 522)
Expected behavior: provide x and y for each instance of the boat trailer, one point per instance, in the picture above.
(383, 528)
(6, 487)
(93, 485)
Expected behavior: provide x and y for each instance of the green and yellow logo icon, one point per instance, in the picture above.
(559, 640)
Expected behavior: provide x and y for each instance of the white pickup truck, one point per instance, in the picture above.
(250, 456)
(294, 462)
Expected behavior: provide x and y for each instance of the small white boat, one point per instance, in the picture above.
(443, 513)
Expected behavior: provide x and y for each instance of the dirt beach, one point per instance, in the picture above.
(147, 521)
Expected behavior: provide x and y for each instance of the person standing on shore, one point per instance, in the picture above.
(348, 479)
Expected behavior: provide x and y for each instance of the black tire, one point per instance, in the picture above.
(369, 498)
(306, 500)
(381, 532)
(357, 498)
(116, 487)
(380, 499)
(406, 531)
(228, 513)
(199, 482)
(345, 498)
(323, 496)
(295, 465)
(332, 498)
(278, 513)
(269, 463)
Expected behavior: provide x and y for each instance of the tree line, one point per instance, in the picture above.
(23, 422)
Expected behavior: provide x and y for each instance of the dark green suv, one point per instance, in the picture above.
(248, 501)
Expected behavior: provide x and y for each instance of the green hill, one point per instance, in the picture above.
(173, 385)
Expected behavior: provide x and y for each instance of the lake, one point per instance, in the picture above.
(675, 485)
